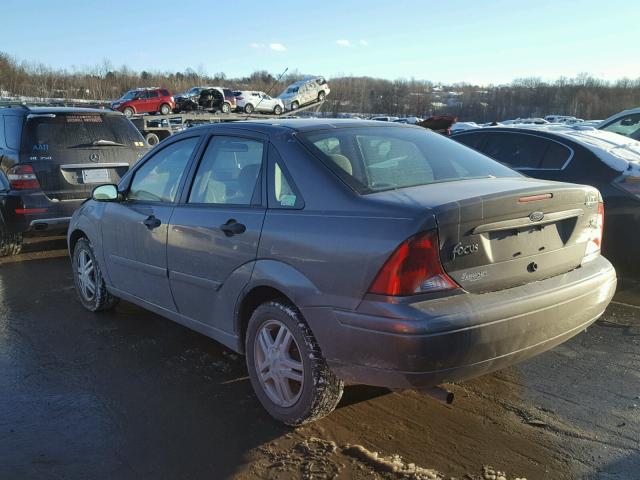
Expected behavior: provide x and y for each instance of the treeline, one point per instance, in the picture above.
(584, 96)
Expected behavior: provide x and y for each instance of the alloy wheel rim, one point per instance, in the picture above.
(86, 274)
(278, 363)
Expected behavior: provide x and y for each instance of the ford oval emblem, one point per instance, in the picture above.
(94, 157)
(536, 216)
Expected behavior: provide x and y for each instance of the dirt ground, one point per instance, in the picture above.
(128, 394)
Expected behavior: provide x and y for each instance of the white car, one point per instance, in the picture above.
(303, 92)
(382, 118)
(625, 123)
(251, 101)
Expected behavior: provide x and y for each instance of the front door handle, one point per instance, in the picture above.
(232, 228)
(152, 222)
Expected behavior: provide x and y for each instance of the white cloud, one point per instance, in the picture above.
(343, 43)
(364, 43)
(278, 47)
(256, 45)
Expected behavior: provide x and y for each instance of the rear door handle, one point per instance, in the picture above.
(152, 222)
(232, 228)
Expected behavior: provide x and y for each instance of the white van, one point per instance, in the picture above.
(303, 92)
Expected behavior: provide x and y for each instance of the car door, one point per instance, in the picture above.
(215, 230)
(153, 101)
(134, 233)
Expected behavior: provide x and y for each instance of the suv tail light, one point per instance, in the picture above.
(595, 239)
(413, 268)
(22, 177)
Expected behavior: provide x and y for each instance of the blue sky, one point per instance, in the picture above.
(472, 41)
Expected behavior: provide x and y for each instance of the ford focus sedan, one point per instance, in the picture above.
(345, 252)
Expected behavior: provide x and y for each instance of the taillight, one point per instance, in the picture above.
(629, 184)
(595, 232)
(413, 268)
(22, 177)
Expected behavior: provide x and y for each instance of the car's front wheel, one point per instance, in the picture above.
(321, 96)
(287, 370)
(277, 110)
(89, 281)
(226, 107)
(10, 243)
(294, 105)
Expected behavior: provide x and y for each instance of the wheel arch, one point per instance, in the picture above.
(74, 236)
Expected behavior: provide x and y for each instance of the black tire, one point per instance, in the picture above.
(321, 96)
(165, 109)
(248, 108)
(128, 112)
(226, 107)
(10, 243)
(295, 105)
(152, 139)
(101, 299)
(277, 110)
(320, 390)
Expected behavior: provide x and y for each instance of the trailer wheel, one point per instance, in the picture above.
(152, 139)
(248, 108)
(128, 112)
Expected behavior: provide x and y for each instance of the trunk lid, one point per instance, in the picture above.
(502, 232)
(72, 152)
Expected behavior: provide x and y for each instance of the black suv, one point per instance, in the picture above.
(50, 160)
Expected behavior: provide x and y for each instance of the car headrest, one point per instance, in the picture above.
(343, 162)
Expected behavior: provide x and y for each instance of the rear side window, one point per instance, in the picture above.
(472, 140)
(13, 130)
(153, 94)
(159, 178)
(382, 158)
(59, 131)
(228, 172)
(556, 156)
(282, 191)
(516, 150)
(164, 93)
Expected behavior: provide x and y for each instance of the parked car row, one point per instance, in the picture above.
(221, 99)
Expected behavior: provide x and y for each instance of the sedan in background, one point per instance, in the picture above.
(605, 160)
(308, 245)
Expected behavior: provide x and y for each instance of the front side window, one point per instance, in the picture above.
(384, 158)
(228, 172)
(628, 126)
(159, 178)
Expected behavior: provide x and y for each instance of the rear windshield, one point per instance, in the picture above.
(385, 158)
(59, 131)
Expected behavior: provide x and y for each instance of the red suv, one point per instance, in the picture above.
(145, 100)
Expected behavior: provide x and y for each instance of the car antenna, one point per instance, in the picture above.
(270, 88)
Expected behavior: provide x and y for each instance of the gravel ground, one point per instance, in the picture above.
(128, 394)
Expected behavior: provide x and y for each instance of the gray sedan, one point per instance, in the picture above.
(333, 252)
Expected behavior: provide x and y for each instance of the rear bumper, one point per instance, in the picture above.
(414, 345)
(47, 217)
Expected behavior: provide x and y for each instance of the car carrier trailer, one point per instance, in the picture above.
(156, 128)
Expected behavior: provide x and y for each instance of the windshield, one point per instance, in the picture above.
(130, 95)
(45, 133)
(383, 158)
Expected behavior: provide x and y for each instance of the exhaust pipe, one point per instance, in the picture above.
(439, 393)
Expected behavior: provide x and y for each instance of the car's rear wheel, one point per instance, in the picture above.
(294, 105)
(152, 139)
(287, 370)
(89, 281)
(10, 243)
(165, 109)
(226, 107)
(321, 96)
(248, 108)
(277, 110)
(128, 112)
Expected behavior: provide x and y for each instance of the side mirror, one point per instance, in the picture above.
(105, 193)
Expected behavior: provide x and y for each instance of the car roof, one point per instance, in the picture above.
(302, 124)
(46, 110)
(617, 151)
